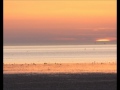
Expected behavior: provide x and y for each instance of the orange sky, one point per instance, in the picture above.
(52, 22)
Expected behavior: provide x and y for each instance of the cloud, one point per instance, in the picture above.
(104, 29)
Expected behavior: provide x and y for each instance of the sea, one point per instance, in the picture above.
(60, 54)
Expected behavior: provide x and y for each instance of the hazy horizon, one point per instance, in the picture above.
(39, 44)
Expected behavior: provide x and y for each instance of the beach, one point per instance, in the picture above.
(60, 76)
(83, 81)
(61, 68)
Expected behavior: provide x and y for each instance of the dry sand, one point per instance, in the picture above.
(61, 68)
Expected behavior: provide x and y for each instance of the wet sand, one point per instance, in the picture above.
(85, 81)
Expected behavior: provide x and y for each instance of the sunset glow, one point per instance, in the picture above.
(66, 44)
(103, 40)
(58, 22)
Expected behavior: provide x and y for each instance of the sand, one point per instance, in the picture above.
(61, 68)
(60, 76)
(91, 81)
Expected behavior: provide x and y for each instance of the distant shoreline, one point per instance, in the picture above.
(64, 44)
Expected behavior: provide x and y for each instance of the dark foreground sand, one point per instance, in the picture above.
(83, 81)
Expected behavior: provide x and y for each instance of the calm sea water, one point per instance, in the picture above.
(60, 54)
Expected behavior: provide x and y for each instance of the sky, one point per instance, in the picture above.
(36, 22)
